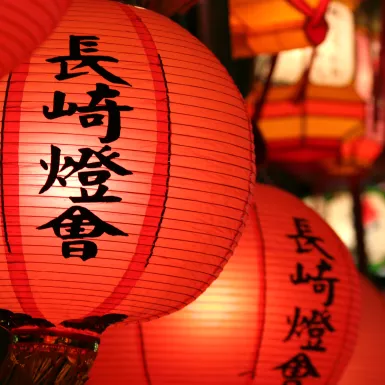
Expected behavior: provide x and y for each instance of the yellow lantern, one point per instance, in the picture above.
(268, 26)
(304, 128)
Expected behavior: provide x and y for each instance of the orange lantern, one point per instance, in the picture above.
(127, 166)
(170, 7)
(284, 311)
(24, 25)
(367, 363)
(304, 123)
(357, 155)
(270, 26)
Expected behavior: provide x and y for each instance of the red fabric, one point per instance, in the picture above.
(316, 26)
(235, 332)
(186, 141)
(24, 25)
(367, 363)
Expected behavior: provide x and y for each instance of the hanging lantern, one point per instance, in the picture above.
(24, 25)
(126, 171)
(367, 363)
(307, 118)
(284, 311)
(270, 26)
(170, 7)
(357, 155)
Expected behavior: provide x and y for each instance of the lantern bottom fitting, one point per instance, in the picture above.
(49, 356)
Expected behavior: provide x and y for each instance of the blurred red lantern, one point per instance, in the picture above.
(127, 169)
(367, 363)
(170, 7)
(284, 311)
(24, 25)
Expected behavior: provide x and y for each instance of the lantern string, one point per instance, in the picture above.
(316, 26)
(259, 141)
(300, 94)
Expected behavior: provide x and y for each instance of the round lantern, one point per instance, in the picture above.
(269, 26)
(284, 311)
(24, 25)
(127, 167)
(367, 363)
(170, 7)
(305, 124)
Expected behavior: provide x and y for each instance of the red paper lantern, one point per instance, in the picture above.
(119, 99)
(367, 363)
(253, 320)
(24, 25)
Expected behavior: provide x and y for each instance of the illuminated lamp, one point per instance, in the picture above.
(127, 167)
(24, 25)
(367, 363)
(357, 155)
(303, 124)
(270, 26)
(270, 318)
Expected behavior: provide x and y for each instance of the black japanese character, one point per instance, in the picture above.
(76, 53)
(320, 283)
(92, 117)
(84, 250)
(315, 327)
(297, 368)
(77, 222)
(86, 178)
(305, 239)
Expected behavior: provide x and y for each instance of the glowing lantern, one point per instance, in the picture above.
(125, 175)
(367, 363)
(267, 26)
(24, 25)
(288, 296)
(358, 155)
(170, 7)
(303, 128)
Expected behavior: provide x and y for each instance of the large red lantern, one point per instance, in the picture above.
(24, 25)
(284, 311)
(127, 169)
(367, 363)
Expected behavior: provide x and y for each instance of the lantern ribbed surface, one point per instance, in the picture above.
(24, 25)
(127, 166)
(367, 363)
(246, 326)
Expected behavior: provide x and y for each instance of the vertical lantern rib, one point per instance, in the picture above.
(10, 198)
(262, 300)
(132, 275)
(5, 230)
(144, 354)
(168, 161)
